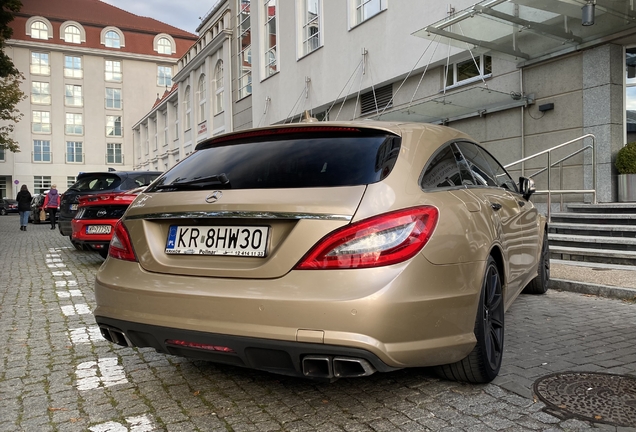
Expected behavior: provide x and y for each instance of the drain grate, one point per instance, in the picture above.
(595, 397)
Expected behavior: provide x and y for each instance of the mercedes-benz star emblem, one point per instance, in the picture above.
(213, 197)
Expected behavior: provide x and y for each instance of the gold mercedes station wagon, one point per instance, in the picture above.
(327, 250)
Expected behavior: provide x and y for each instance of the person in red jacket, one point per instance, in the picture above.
(51, 203)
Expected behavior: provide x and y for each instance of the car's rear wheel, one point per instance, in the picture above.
(539, 285)
(77, 245)
(483, 363)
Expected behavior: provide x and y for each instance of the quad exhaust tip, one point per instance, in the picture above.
(335, 367)
(115, 336)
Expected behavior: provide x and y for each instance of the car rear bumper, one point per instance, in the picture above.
(93, 241)
(286, 358)
(378, 311)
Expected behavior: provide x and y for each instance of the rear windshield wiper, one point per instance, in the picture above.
(217, 179)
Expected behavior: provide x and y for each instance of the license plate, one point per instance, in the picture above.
(218, 240)
(98, 229)
(73, 207)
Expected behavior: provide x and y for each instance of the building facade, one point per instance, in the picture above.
(90, 70)
(520, 76)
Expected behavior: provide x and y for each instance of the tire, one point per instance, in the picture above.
(483, 363)
(539, 285)
(77, 245)
(3, 212)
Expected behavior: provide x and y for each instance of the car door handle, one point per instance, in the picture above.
(495, 206)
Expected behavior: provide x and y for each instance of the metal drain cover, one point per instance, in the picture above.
(595, 397)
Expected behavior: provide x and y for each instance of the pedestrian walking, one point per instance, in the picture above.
(24, 206)
(51, 203)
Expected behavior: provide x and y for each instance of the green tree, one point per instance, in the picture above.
(10, 78)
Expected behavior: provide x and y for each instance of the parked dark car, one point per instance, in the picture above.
(94, 222)
(92, 183)
(8, 206)
(37, 204)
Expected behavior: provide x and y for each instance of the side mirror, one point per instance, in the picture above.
(526, 187)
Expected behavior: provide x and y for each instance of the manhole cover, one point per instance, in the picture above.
(595, 397)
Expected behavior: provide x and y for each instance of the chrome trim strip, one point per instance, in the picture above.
(238, 215)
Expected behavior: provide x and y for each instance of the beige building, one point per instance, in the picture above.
(91, 70)
(211, 96)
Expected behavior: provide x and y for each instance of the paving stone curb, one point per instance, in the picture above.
(594, 289)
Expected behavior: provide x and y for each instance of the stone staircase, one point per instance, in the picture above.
(595, 233)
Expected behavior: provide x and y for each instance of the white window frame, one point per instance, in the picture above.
(202, 96)
(361, 11)
(74, 124)
(244, 51)
(309, 42)
(107, 39)
(114, 100)
(39, 30)
(73, 71)
(114, 126)
(77, 157)
(164, 76)
(72, 34)
(453, 68)
(113, 153)
(187, 107)
(73, 95)
(41, 122)
(41, 183)
(270, 31)
(44, 153)
(218, 87)
(40, 93)
(39, 67)
(110, 72)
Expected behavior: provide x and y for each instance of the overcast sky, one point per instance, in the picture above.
(181, 14)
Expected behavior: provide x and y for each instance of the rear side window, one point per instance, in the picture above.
(447, 168)
(299, 160)
(485, 168)
(97, 183)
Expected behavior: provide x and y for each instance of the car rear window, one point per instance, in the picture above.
(96, 183)
(299, 160)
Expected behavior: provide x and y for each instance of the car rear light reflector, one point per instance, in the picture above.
(382, 240)
(120, 246)
(197, 345)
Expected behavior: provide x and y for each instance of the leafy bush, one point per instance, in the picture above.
(626, 159)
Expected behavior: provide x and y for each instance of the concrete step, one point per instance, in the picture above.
(602, 230)
(595, 242)
(616, 208)
(594, 218)
(607, 256)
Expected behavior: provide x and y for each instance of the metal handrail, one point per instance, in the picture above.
(562, 191)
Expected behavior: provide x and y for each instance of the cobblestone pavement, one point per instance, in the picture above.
(58, 374)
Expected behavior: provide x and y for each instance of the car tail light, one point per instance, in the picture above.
(120, 246)
(382, 240)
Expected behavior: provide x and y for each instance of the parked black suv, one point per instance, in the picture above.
(95, 183)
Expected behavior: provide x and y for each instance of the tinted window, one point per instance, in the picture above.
(447, 168)
(312, 159)
(486, 170)
(97, 183)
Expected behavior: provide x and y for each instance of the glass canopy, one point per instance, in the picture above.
(533, 30)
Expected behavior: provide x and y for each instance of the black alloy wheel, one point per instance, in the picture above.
(3, 212)
(483, 363)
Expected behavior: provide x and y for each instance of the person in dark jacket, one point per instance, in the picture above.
(24, 206)
(51, 204)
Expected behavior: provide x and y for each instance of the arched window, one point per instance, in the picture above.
(72, 34)
(112, 40)
(164, 46)
(39, 30)
(202, 98)
(218, 87)
(188, 108)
